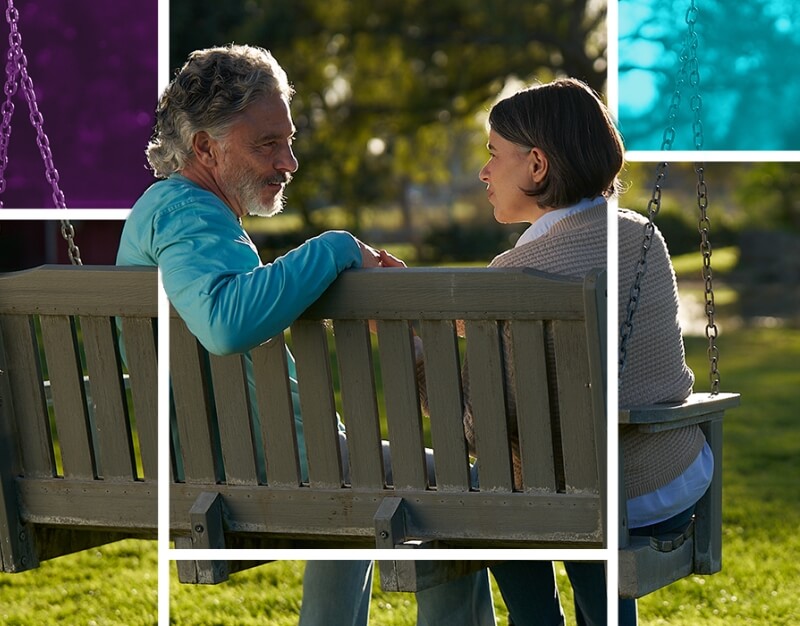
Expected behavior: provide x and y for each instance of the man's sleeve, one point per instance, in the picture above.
(230, 301)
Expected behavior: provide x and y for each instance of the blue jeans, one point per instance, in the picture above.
(464, 601)
(531, 596)
(338, 593)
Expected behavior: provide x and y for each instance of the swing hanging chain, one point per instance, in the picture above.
(704, 226)
(68, 233)
(17, 76)
(689, 68)
(653, 208)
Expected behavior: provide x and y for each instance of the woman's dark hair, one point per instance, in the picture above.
(566, 120)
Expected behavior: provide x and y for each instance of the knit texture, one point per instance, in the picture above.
(655, 369)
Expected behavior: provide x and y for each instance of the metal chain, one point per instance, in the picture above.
(689, 67)
(16, 76)
(653, 207)
(704, 227)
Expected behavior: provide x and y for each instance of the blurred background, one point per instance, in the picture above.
(749, 58)
(28, 243)
(391, 102)
(754, 212)
(93, 65)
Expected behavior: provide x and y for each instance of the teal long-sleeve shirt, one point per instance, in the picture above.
(211, 270)
(214, 278)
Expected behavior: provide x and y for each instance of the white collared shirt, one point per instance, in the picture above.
(542, 225)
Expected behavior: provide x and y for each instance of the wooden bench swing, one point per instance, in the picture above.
(82, 472)
(222, 500)
(646, 564)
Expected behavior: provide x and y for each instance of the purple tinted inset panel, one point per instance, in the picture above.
(93, 64)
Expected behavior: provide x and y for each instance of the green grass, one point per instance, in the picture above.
(114, 585)
(760, 579)
(690, 265)
(272, 594)
(759, 583)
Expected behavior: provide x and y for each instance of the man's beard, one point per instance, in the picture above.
(248, 188)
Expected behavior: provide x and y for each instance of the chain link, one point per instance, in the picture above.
(16, 77)
(689, 68)
(704, 227)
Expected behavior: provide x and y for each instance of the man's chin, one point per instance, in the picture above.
(267, 209)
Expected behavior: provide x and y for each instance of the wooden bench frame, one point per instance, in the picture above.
(245, 512)
(642, 568)
(96, 494)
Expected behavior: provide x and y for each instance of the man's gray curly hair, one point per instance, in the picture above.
(207, 94)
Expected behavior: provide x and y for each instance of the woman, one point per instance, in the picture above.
(554, 160)
(555, 156)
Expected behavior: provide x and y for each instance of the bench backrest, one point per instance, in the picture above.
(77, 419)
(557, 329)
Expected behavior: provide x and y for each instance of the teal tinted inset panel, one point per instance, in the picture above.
(748, 57)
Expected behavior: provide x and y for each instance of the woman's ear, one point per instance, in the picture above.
(538, 165)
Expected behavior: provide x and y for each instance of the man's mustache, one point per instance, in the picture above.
(279, 179)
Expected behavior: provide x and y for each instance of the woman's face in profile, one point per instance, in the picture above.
(506, 174)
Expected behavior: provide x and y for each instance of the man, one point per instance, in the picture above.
(223, 147)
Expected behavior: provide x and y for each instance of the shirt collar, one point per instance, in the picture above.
(543, 225)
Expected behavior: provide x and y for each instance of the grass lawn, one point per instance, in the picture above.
(114, 585)
(271, 594)
(759, 583)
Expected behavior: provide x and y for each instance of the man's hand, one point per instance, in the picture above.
(389, 260)
(370, 257)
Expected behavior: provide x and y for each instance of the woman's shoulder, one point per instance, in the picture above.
(627, 216)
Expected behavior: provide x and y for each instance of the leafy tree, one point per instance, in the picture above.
(746, 51)
(390, 93)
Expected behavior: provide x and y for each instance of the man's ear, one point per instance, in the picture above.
(205, 148)
(538, 165)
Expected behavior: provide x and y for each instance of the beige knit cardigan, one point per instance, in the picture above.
(572, 247)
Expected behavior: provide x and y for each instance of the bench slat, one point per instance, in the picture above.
(445, 402)
(487, 395)
(276, 413)
(68, 290)
(448, 293)
(575, 406)
(359, 404)
(533, 406)
(142, 362)
(69, 400)
(317, 405)
(111, 422)
(232, 401)
(349, 514)
(193, 411)
(401, 397)
(90, 504)
(25, 381)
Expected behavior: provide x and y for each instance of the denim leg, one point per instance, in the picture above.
(336, 593)
(627, 612)
(589, 591)
(529, 591)
(387, 461)
(466, 601)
